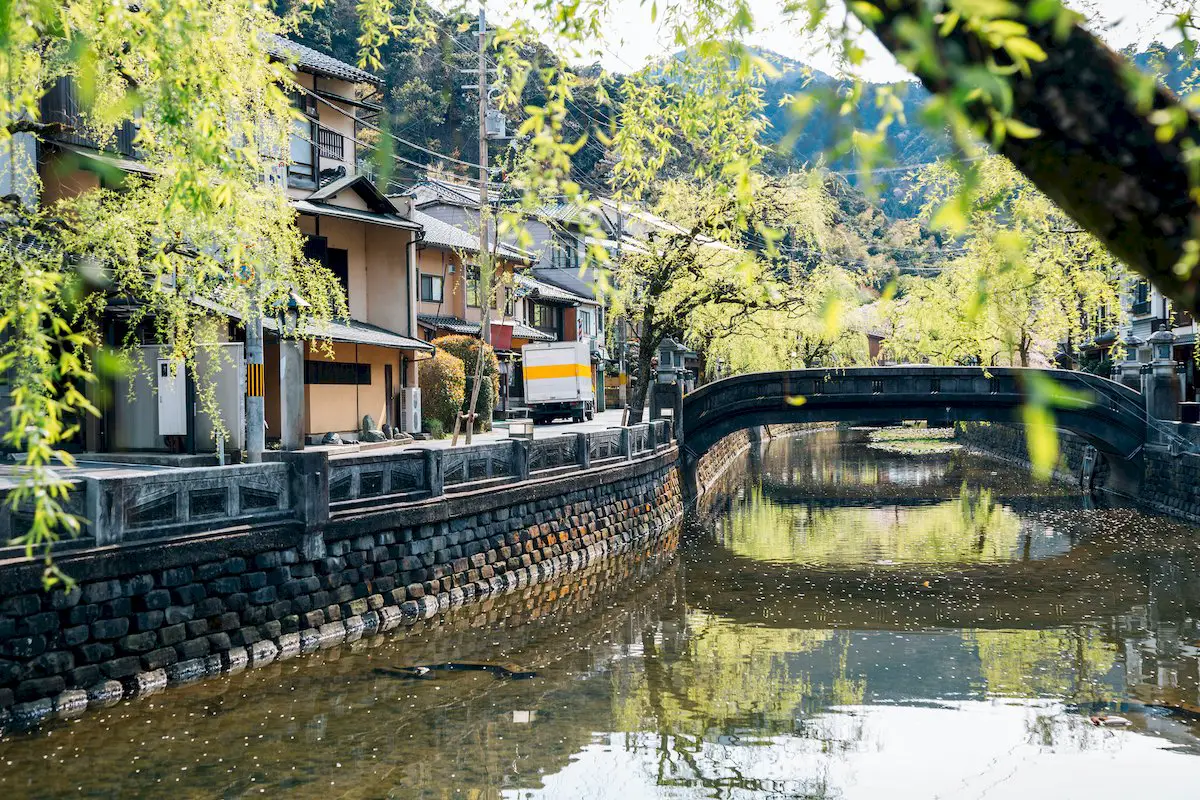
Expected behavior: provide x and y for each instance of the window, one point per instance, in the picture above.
(474, 288)
(565, 254)
(546, 318)
(338, 261)
(303, 166)
(337, 372)
(584, 323)
(431, 288)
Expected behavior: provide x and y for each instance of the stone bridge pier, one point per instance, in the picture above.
(1113, 420)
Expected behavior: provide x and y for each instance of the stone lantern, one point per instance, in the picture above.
(1160, 385)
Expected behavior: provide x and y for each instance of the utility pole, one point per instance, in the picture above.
(255, 416)
(485, 265)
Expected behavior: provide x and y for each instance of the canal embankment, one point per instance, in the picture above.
(1166, 473)
(192, 573)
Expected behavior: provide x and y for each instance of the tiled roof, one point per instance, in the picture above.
(445, 322)
(461, 326)
(316, 61)
(442, 234)
(525, 286)
(365, 333)
(523, 331)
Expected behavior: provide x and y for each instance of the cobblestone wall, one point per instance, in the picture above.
(1171, 482)
(143, 617)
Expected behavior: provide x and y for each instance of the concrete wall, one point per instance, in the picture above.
(146, 615)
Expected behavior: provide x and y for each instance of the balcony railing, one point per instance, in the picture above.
(1140, 308)
(331, 144)
(61, 104)
(1181, 319)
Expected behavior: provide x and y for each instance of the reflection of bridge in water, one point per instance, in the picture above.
(1113, 420)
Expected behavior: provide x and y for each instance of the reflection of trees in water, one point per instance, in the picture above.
(970, 529)
(721, 687)
(1073, 664)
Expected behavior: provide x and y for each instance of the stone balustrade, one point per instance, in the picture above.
(133, 508)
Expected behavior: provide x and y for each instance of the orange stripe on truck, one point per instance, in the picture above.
(543, 371)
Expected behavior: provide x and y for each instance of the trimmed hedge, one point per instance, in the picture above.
(443, 385)
(466, 349)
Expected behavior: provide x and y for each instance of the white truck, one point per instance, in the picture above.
(558, 381)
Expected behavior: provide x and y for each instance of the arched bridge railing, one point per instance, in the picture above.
(1114, 421)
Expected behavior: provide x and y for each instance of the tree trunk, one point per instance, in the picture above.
(1097, 155)
(641, 385)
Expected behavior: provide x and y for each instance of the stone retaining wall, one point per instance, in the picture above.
(1170, 482)
(714, 463)
(144, 616)
(1007, 443)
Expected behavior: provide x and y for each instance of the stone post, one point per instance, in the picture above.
(520, 457)
(291, 384)
(1128, 372)
(1160, 385)
(651, 436)
(435, 477)
(583, 452)
(655, 410)
(627, 443)
(308, 487)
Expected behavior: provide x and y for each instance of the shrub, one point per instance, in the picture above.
(466, 349)
(436, 429)
(443, 385)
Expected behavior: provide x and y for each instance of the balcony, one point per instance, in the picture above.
(61, 104)
(1140, 308)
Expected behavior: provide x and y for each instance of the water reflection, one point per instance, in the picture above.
(919, 626)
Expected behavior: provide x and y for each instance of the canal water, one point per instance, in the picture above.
(844, 619)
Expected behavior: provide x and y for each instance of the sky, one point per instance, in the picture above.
(631, 39)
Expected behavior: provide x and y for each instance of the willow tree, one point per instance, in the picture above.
(1025, 284)
(822, 321)
(708, 255)
(202, 230)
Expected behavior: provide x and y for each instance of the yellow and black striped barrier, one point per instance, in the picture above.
(255, 382)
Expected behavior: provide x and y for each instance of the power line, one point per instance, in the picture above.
(399, 139)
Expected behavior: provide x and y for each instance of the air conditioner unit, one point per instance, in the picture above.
(172, 398)
(410, 414)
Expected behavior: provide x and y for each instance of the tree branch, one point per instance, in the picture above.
(40, 129)
(1097, 155)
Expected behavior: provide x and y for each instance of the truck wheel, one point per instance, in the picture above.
(577, 418)
(591, 415)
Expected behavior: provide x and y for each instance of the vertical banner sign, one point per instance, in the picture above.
(254, 380)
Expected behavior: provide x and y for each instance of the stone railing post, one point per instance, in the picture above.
(627, 443)
(104, 519)
(435, 476)
(651, 436)
(583, 451)
(520, 458)
(308, 489)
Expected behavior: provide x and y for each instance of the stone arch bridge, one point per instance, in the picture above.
(1114, 421)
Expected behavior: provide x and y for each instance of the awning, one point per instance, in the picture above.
(357, 215)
